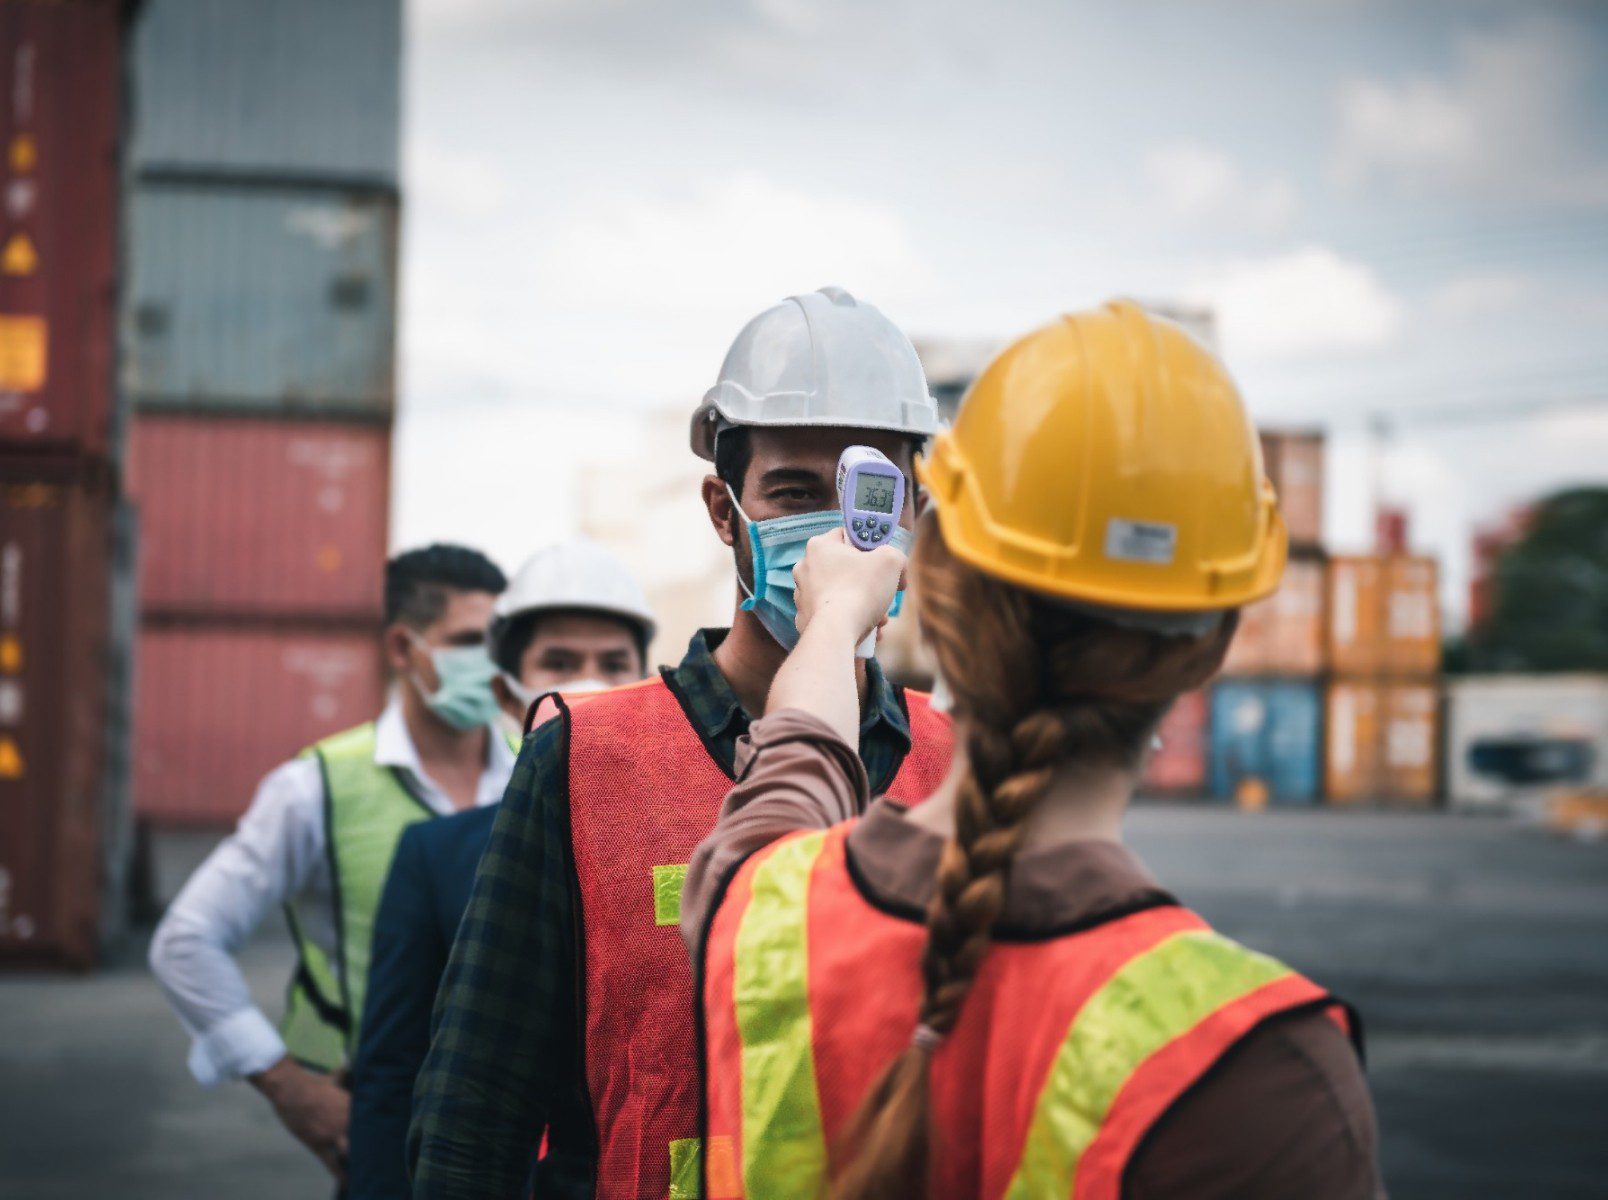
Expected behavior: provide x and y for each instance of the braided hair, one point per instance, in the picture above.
(1036, 686)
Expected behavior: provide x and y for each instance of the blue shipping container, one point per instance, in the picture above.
(260, 298)
(1267, 733)
(287, 87)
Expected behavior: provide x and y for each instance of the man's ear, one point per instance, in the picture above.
(397, 645)
(721, 510)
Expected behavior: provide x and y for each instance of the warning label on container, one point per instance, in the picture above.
(23, 342)
(19, 257)
(10, 759)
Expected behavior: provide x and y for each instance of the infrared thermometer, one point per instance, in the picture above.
(871, 493)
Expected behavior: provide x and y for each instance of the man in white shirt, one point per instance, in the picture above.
(318, 840)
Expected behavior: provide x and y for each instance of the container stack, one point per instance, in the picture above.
(259, 324)
(1383, 699)
(1265, 740)
(60, 733)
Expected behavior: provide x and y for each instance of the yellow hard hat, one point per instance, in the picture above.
(1107, 459)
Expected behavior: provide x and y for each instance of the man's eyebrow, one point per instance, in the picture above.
(778, 475)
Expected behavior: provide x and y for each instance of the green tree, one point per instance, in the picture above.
(1551, 603)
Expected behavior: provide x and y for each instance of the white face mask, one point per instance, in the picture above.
(527, 696)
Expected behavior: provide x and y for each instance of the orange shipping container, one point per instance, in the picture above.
(1355, 636)
(1178, 765)
(1381, 739)
(1294, 463)
(1412, 616)
(1283, 635)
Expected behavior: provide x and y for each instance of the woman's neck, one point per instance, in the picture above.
(1081, 804)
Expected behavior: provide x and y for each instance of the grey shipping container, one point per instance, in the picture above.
(304, 88)
(261, 297)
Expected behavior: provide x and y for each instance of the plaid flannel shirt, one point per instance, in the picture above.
(506, 1055)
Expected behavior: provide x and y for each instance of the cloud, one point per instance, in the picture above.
(1302, 304)
(1477, 295)
(1200, 185)
(743, 236)
(1505, 117)
(453, 182)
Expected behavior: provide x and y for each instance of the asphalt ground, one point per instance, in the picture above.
(1476, 949)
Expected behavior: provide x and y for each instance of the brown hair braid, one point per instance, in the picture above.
(1035, 685)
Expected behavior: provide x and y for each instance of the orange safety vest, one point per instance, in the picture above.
(1069, 1049)
(644, 790)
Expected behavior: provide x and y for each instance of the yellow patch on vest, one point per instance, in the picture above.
(667, 883)
(685, 1160)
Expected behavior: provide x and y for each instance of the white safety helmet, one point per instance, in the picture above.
(575, 574)
(823, 358)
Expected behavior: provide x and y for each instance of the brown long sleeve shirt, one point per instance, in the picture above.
(1286, 1114)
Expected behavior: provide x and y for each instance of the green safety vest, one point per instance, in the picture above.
(367, 807)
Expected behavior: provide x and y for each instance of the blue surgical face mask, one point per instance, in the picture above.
(463, 697)
(777, 546)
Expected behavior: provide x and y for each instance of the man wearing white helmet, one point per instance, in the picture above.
(573, 619)
(567, 1008)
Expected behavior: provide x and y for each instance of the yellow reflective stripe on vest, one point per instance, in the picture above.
(1154, 998)
(783, 1148)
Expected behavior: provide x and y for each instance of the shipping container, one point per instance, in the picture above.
(1265, 741)
(1411, 619)
(1178, 765)
(1384, 616)
(1284, 634)
(1511, 737)
(261, 298)
(60, 89)
(55, 546)
(1294, 462)
(1381, 742)
(261, 517)
(296, 87)
(216, 708)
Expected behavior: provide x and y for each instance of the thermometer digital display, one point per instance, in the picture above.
(871, 493)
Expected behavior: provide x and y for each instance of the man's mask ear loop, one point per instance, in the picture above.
(748, 530)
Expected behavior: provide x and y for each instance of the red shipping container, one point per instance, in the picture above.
(216, 708)
(1284, 634)
(60, 88)
(1178, 765)
(256, 517)
(1294, 462)
(54, 610)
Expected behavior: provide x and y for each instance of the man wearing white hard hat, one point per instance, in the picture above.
(573, 619)
(567, 1008)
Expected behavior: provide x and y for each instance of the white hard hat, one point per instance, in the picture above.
(822, 358)
(575, 574)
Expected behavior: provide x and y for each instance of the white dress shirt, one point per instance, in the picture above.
(276, 855)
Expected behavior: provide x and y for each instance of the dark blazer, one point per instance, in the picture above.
(425, 896)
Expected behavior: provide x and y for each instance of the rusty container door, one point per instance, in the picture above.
(1355, 615)
(1294, 463)
(54, 608)
(1410, 742)
(261, 518)
(1411, 616)
(1284, 634)
(1351, 762)
(60, 85)
(218, 707)
(1178, 766)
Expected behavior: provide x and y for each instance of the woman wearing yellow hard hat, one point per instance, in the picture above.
(986, 994)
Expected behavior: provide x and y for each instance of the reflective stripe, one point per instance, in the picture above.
(783, 1149)
(667, 882)
(1154, 998)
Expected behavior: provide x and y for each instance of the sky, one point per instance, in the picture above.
(1395, 208)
